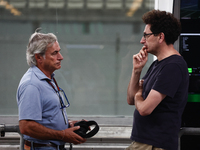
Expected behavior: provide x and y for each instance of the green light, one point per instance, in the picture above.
(193, 98)
(190, 70)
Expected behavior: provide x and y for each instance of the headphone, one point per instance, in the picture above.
(85, 127)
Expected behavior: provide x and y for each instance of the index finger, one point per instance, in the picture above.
(143, 51)
(141, 82)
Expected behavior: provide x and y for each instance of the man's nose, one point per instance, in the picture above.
(142, 41)
(60, 56)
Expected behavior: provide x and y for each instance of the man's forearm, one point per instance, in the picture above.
(38, 131)
(133, 87)
(138, 101)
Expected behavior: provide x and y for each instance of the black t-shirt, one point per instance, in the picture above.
(160, 129)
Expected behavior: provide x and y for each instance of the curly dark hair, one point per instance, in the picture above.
(162, 21)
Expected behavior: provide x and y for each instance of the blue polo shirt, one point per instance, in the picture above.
(38, 101)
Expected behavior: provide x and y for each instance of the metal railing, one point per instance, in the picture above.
(187, 131)
(15, 128)
(12, 128)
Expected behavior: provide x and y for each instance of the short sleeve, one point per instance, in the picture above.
(168, 80)
(29, 103)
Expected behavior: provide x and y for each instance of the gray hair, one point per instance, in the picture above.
(38, 44)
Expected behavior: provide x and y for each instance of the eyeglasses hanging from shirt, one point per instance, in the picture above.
(61, 94)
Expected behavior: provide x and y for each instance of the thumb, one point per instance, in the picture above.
(75, 128)
(141, 83)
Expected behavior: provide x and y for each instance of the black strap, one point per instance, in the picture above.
(94, 131)
(52, 84)
(61, 103)
(84, 128)
(55, 89)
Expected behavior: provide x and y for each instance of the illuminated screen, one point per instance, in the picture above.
(190, 50)
(190, 40)
(190, 16)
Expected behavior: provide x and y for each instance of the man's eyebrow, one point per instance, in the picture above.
(57, 50)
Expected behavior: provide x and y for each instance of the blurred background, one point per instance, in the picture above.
(97, 38)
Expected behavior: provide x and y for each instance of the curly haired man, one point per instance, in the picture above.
(161, 95)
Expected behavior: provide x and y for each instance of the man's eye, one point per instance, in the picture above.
(54, 53)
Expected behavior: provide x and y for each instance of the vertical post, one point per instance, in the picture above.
(166, 5)
(21, 142)
(116, 79)
(179, 138)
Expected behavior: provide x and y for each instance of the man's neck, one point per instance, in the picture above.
(166, 51)
(46, 72)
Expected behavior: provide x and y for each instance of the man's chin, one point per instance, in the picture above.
(58, 67)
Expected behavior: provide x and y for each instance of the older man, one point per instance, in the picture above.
(42, 116)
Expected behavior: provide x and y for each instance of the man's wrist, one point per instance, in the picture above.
(63, 135)
(137, 71)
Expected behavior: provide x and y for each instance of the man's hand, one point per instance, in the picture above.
(138, 95)
(71, 137)
(36, 130)
(72, 122)
(140, 59)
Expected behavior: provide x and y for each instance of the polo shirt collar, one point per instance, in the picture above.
(40, 74)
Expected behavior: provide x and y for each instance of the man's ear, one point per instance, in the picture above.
(39, 58)
(162, 37)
